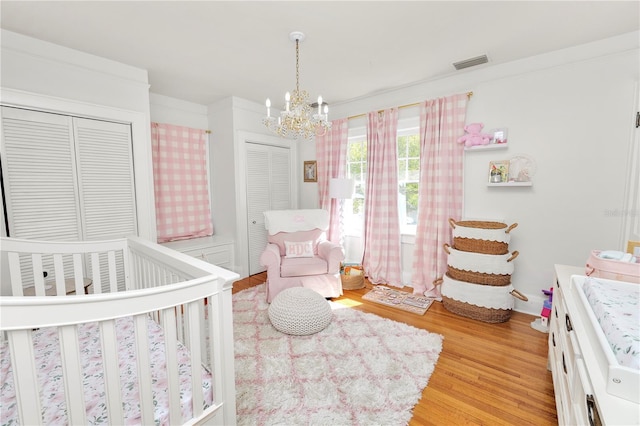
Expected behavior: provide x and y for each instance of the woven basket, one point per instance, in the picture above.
(476, 312)
(352, 282)
(479, 262)
(480, 246)
(481, 236)
(478, 277)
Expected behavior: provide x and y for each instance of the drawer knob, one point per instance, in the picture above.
(567, 322)
(592, 411)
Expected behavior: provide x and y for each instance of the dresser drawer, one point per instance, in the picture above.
(215, 250)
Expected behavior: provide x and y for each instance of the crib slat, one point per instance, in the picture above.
(113, 272)
(216, 339)
(16, 274)
(78, 274)
(58, 268)
(111, 372)
(143, 365)
(171, 355)
(25, 377)
(192, 311)
(38, 275)
(95, 276)
(72, 373)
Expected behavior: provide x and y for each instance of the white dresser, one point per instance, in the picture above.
(578, 380)
(215, 249)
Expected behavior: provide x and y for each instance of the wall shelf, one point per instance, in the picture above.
(489, 147)
(511, 184)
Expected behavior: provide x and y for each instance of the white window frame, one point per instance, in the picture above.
(406, 127)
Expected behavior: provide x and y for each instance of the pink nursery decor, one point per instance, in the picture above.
(474, 135)
(181, 183)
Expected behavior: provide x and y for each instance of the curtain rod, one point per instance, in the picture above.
(469, 95)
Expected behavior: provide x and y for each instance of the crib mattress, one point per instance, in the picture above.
(47, 355)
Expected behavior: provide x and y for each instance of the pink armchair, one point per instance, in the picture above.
(298, 254)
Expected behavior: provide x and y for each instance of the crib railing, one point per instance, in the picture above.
(131, 277)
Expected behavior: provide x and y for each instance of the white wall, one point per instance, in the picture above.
(164, 109)
(573, 112)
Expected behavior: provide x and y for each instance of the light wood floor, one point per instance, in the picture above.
(487, 374)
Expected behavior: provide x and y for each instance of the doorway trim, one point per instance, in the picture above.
(242, 232)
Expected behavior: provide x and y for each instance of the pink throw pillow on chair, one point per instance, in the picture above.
(298, 249)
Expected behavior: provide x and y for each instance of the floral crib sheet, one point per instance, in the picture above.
(47, 355)
(617, 310)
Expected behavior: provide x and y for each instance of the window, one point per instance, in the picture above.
(408, 145)
(408, 178)
(356, 170)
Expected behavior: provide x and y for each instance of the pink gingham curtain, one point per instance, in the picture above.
(381, 259)
(331, 158)
(180, 181)
(440, 189)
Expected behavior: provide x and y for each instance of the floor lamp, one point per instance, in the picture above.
(341, 189)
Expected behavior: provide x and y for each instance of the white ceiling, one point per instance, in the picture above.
(203, 51)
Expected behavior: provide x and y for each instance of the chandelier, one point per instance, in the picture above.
(298, 119)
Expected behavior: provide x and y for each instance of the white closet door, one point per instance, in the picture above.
(39, 176)
(280, 190)
(105, 178)
(268, 188)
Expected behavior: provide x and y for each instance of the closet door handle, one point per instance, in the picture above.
(564, 364)
(553, 339)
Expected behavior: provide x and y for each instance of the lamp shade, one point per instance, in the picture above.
(341, 188)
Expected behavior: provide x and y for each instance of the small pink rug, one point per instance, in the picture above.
(361, 370)
(398, 299)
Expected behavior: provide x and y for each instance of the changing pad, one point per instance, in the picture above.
(617, 310)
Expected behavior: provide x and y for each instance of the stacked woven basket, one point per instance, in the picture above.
(477, 284)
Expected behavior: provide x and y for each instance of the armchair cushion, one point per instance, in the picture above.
(302, 266)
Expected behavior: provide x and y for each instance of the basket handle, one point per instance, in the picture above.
(513, 255)
(446, 248)
(589, 270)
(517, 294)
(511, 227)
(452, 223)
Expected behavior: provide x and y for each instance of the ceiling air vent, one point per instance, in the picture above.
(471, 62)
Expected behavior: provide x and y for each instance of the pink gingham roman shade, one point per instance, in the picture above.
(180, 180)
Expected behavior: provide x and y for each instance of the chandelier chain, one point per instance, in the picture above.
(297, 65)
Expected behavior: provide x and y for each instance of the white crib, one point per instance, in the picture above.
(151, 342)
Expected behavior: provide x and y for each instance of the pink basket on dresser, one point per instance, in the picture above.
(612, 269)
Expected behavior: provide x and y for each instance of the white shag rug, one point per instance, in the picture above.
(361, 370)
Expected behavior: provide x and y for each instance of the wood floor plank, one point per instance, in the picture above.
(487, 374)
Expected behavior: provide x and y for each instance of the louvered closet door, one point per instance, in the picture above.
(106, 187)
(105, 178)
(39, 176)
(67, 179)
(268, 188)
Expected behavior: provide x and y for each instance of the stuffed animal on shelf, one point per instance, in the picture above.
(474, 135)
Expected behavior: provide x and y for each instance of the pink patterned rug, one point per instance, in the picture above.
(361, 370)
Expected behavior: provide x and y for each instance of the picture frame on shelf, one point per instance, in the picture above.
(499, 171)
(633, 247)
(500, 136)
(310, 171)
